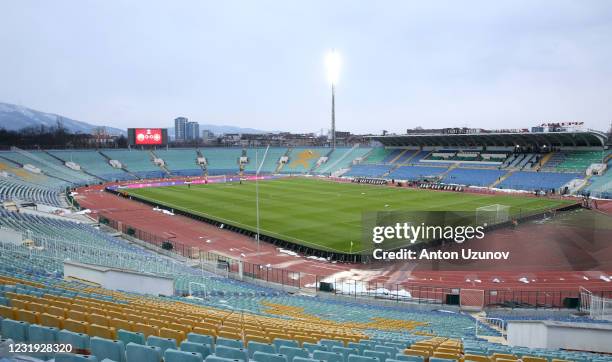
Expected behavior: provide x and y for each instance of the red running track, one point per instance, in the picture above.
(542, 257)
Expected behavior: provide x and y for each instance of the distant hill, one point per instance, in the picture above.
(14, 117)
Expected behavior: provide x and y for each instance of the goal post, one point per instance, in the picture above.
(492, 214)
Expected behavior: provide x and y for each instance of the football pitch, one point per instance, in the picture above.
(320, 214)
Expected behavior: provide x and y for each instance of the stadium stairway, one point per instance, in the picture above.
(82, 168)
(501, 179)
(123, 168)
(544, 160)
(162, 167)
(281, 165)
(400, 155)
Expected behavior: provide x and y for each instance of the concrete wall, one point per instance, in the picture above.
(118, 279)
(593, 337)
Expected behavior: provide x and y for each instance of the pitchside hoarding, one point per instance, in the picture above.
(148, 136)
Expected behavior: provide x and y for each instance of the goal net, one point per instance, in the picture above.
(492, 214)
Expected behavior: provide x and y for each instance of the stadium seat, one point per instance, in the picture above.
(42, 335)
(328, 356)
(79, 341)
(200, 338)
(357, 358)
(268, 357)
(311, 347)
(200, 348)
(381, 356)
(213, 358)
(232, 353)
(278, 343)
(345, 352)
(253, 347)
(173, 355)
(71, 357)
(162, 343)
(138, 352)
(130, 337)
(330, 343)
(15, 330)
(227, 342)
(406, 358)
(105, 348)
(292, 352)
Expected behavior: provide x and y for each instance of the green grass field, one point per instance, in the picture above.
(317, 213)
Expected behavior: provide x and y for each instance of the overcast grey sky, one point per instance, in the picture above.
(260, 64)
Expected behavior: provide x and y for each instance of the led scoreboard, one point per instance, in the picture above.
(147, 136)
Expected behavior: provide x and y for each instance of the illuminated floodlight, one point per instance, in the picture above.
(333, 63)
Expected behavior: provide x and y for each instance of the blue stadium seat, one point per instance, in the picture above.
(268, 357)
(162, 343)
(79, 341)
(330, 343)
(345, 351)
(201, 338)
(202, 349)
(278, 343)
(139, 353)
(234, 343)
(328, 356)
(254, 346)
(173, 355)
(71, 357)
(15, 330)
(311, 347)
(232, 353)
(381, 356)
(130, 337)
(357, 358)
(106, 348)
(407, 358)
(293, 352)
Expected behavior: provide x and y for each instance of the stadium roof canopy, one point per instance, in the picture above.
(523, 139)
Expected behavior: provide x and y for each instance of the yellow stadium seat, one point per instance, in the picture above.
(179, 336)
(115, 314)
(415, 352)
(180, 327)
(533, 359)
(121, 324)
(56, 311)
(50, 320)
(454, 356)
(505, 356)
(102, 331)
(146, 329)
(205, 331)
(256, 338)
(36, 307)
(75, 326)
(19, 304)
(8, 312)
(28, 316)
(76, 315)
(78, 308)
(476, 358)
(229, 335)
(301, 339)
(100, 320)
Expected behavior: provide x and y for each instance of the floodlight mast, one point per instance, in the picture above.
(333, 70)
